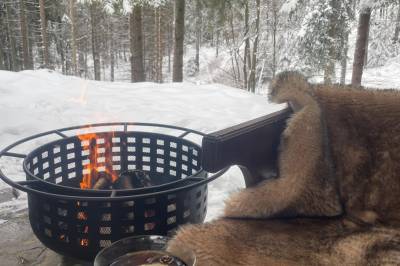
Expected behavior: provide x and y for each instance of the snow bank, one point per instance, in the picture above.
(36, 101)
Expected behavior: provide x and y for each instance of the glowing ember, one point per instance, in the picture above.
(99, 159)
(82, 216)
(84, 242)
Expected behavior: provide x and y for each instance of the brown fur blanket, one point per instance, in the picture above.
(337, 196)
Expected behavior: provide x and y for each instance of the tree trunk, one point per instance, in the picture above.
(159, 47)
(177, 75)
(246, 57)
(1, 58)
(43, 29)
(2, 40)
(73, 32)
(329, 74)
(236, 51)
(343, 63)
(137, 68)
(112, 54)
(24, 34)
(252, 78)
(95, 43)
(359, 53)
(13, 52)
(198, 34)
(397, 29)
(274, 31)
(169, 46)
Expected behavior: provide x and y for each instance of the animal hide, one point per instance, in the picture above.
(338, 182)
(327, 242)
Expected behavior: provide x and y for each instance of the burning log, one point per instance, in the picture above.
(133, 179)
(102, 182)
(124, 181)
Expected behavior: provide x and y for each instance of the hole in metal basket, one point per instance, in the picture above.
(128, 229)
(171, 220)
(149, 213)
(129, 216)
(149, 226)
(64, 238)
(128, 203)
(62, 225)
(105, 230)
(62, 212)
(106, 217)
(171, 207)
(105, 243)
(186, 214)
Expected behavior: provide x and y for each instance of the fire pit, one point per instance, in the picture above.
(88, 190)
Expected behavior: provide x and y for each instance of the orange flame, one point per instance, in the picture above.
(94, 167)
(84, 242)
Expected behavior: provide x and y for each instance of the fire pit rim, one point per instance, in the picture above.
(105, 191)
(26, 185)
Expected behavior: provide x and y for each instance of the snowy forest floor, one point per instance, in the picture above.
(35, 101)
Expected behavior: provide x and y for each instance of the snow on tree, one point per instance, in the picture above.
(325, 24)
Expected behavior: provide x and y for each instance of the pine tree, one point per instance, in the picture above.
(361, 46)
(325, 23)
(177, 75)
(24, 33)
(136, 38)
(72, 7)
(43, 29)
(397, 29)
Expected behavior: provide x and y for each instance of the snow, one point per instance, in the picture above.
(35, 101)
(364, 4)
(289, 6)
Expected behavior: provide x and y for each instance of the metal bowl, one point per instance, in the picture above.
(131, 245)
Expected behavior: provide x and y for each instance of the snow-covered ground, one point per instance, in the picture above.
(35, 101)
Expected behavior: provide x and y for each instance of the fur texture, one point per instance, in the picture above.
(306, 184)
(287, 242)
(339, 156)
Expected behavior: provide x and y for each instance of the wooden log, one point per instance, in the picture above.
(102, 182)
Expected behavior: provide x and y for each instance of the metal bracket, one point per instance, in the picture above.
(252, 145)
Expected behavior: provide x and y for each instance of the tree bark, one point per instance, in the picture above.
(246, 56)
(136, 37)
(343, 63)
(397, 29)
(169, 36)
(159, 47)
(95, 43)
(359, 53)
(198, 34)
(274, 31)
(329, 71)
(12, 44)
(252, 78)
(24, 34)
(43, 29)
(177, 75)
(73, 32)
(112, 54)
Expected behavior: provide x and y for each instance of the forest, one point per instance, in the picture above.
(165, 40)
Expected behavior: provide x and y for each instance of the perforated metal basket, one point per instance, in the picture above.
(79, 222)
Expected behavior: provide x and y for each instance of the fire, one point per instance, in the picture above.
(94, 168)
(84, 242)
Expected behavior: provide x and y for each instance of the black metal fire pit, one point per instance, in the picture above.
(88, 190)
(73, 215)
